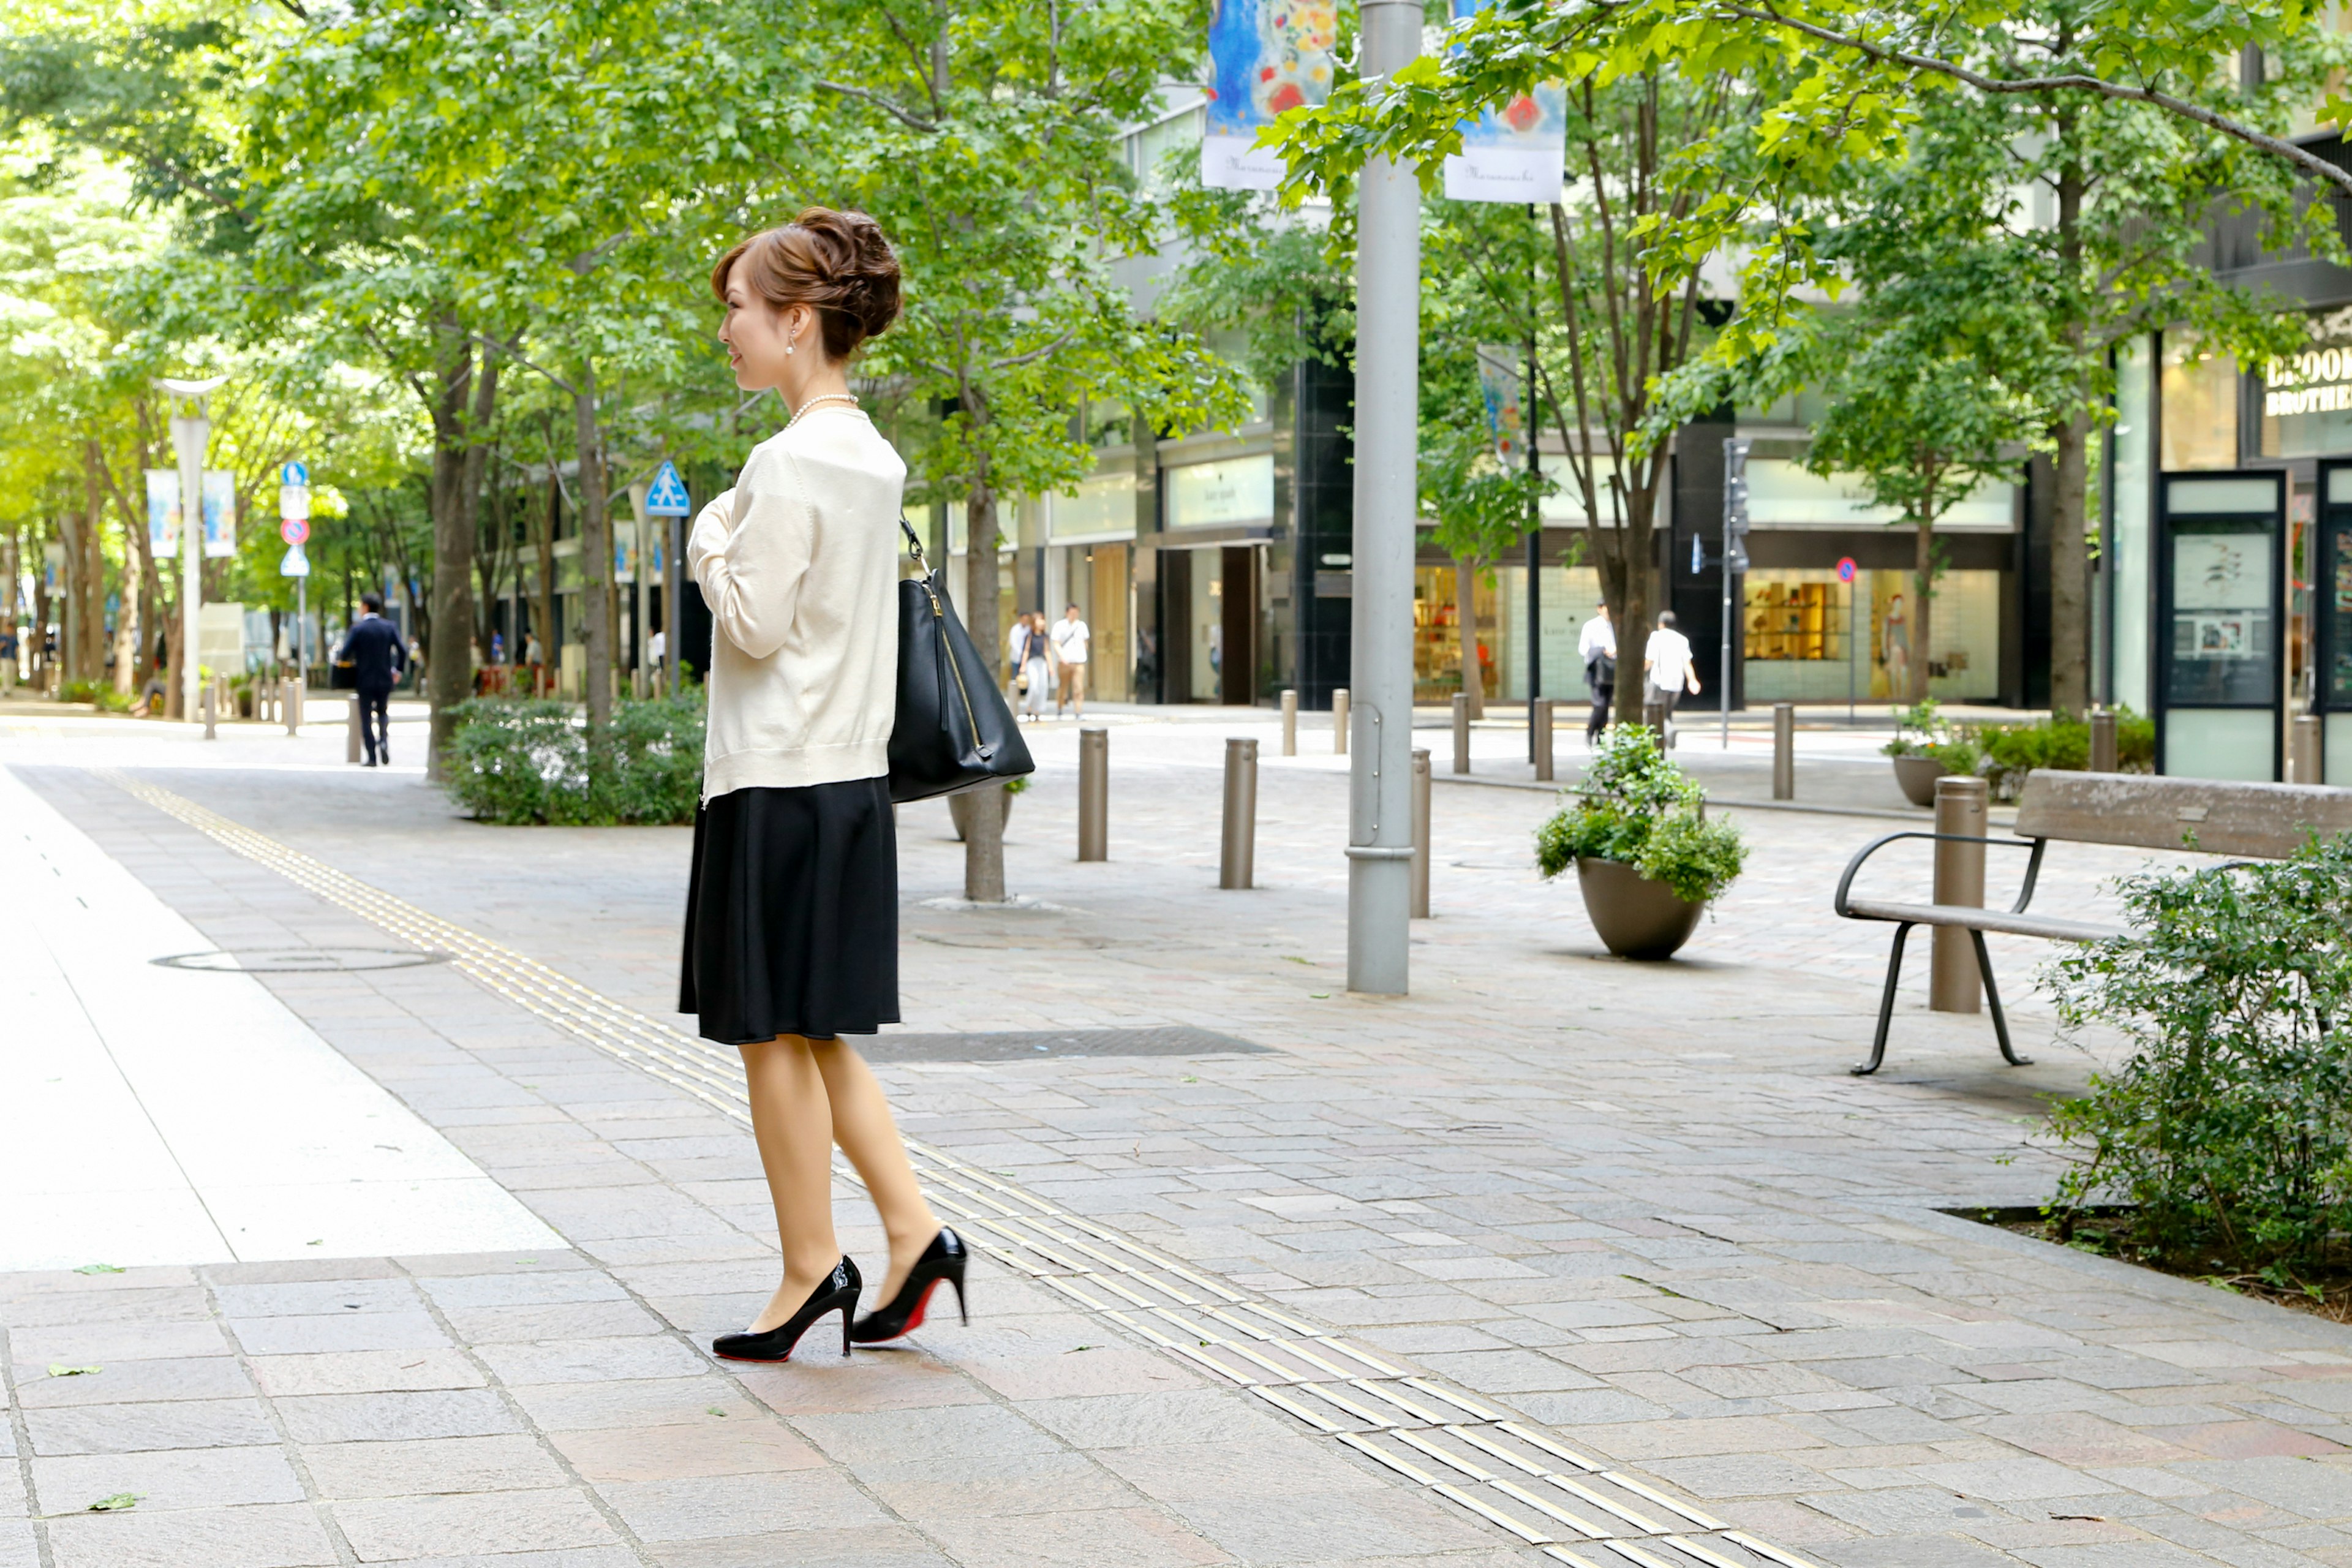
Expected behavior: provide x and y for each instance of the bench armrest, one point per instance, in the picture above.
(2025, 897)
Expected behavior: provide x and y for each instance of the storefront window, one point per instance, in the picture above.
(1569, 593)
(1437, 639)
(1809, 637)
(2200, 405)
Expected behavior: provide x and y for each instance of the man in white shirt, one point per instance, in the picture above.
(1668, 671)
(1070, 639)
(1596, 649)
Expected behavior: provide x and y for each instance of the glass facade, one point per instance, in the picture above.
(2200, 406)
(2132, 592)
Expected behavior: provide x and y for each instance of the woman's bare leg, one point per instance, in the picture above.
(792, 1121)
(861, 1125)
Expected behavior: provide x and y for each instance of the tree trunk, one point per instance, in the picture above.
(129, 623)
(1626, 582)
(595, 551)
(1922, 587)
(1466, 621)
(2070, 568)
(983, 843)
(469, 497)
(2070, 555)
(452, 618)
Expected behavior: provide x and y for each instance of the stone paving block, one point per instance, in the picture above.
(1308, 1524)
(714, 1446)
(703, 1507)
(280, 1536)
(418, 1467)
(17, 1548)
(128, 1428)
(364, 1371)
(2315, 1490)
(172, 1478)
(1186, 1416)
(587, 1406)
(134, 1383)
(543, 1288)
(78, 1344)
(591, 1361)
(2246, 1440)
(352, 1331)
(563, 1557)
(560, 1321)
(317, 1297)
(383, 1417)
(942, 1434)
(886, 1546)
(872, 1382)
(141, 1304)
(385, 1529)
(1092, 1538)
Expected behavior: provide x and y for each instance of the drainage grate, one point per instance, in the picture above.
(301, 959)
(1022, 1044)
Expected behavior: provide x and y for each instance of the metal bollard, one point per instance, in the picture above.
(1953, 983)
(1419, 908)
(290, 706)
(209, 702)
(1289, 723)
(1461, 731)
(1094, 793)
(1339, 722)
(2103, 739)
(1539, 718)
(1784, 751)
(1237, 854)
(2304, 763)
(352, 734)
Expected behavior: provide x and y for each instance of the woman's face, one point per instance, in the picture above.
(756, 335)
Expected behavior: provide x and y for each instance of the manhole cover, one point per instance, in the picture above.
(1024, 1045)
(301, 959)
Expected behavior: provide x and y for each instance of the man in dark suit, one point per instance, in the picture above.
(373, 650)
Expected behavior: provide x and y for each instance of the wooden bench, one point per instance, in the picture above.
(2250, 821)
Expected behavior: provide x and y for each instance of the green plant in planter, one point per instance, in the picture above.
(1918, 730)
(1637, 807)
(2230, 1127)
(515, 763)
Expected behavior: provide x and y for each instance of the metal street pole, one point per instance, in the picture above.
(191, 434)
(1387, 372)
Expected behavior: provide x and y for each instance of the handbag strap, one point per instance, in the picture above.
(914, 546)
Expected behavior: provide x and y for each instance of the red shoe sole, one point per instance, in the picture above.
(914, 1318)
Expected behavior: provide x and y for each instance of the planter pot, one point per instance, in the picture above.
(1917, 775)
(1636, 917)
(959, 811)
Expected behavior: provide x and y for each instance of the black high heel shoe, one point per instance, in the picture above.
(942, 1260)
(838, 1292)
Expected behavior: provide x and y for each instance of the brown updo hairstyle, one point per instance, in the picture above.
(836, 261)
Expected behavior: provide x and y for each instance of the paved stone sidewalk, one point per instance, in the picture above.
(1650, 1213)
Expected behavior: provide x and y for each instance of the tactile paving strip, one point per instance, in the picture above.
(1576, 1509)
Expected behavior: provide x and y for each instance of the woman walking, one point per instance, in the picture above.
(791, 915)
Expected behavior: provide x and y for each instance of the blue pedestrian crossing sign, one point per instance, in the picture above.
(295, 474)
(666, 498)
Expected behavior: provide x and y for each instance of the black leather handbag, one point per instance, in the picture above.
(953, 731)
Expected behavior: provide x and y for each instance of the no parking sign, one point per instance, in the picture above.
(1846, 569)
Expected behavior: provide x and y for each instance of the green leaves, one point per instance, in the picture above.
(1638, 807)
(2228, 1126)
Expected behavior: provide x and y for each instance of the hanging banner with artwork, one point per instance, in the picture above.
(1502, 386)
(220, 513)
(163, 513)
(1514, 152)
(1265, 57)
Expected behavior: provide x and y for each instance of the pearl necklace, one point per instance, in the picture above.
(849, 398)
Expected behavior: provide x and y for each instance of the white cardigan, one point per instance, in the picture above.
(799, 564)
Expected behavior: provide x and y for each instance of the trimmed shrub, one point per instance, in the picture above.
(518, 763)
(2229, 1128)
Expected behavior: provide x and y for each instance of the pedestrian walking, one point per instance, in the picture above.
(792, 917)
(7, 658)
(1036, 665)
(378, 658)
(1596, 646)
(1668, 670)
(1070, 638)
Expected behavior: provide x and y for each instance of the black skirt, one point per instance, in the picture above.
(791, 915)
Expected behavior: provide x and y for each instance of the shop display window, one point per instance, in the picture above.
(1437, 636)
(2199, 428)
(1809, 637)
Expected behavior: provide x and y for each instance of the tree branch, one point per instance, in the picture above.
(2068, 81)
(912, 121)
